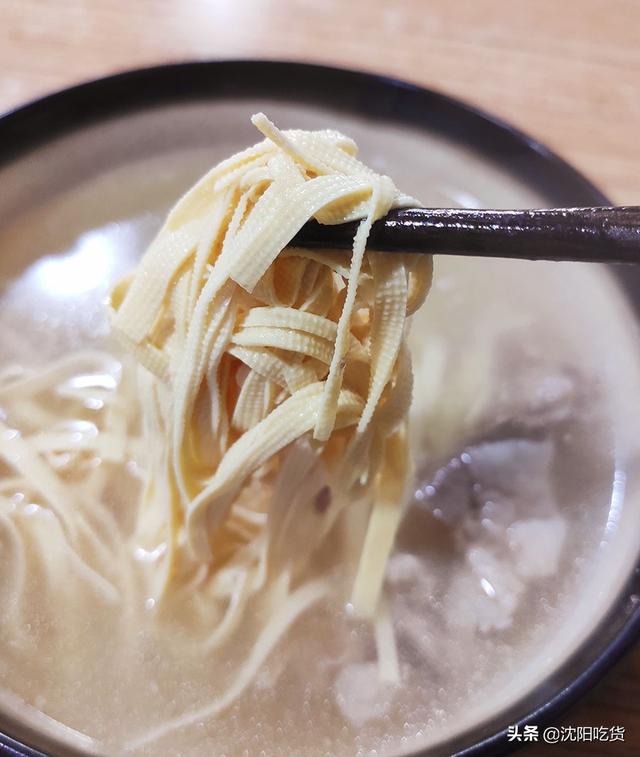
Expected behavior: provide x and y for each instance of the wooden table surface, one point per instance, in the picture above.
(566, 71)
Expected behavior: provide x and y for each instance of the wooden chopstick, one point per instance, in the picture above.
(599, 235)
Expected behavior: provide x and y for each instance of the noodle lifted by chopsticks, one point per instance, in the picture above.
(276, 381)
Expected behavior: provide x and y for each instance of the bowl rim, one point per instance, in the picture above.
(42, 120)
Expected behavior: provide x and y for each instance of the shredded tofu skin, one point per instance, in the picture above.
(256, 349)
(268, 403)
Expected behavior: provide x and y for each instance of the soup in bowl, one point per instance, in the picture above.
(516, 527)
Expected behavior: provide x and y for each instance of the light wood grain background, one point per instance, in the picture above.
(567, 71)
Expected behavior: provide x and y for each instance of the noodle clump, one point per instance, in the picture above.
(263, 406)
(276, 378)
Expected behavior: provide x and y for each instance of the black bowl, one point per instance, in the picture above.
(372, 97)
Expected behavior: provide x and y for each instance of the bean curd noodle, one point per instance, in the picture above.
(251, 351)
(274, 386)
(235, 523)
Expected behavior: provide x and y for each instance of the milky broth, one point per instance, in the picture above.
(523, 444)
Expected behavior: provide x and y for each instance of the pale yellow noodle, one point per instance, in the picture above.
(273, 389)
